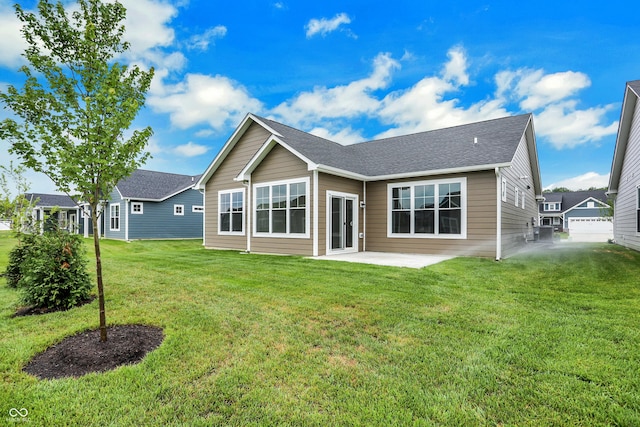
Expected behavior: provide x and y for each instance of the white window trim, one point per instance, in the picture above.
(523, 199)
(198, 208)
(307, 219)
(411, 235)
(175, 210)
(111, 217)
(504, 189)
(133, 212)
(244, 208)
(516, 197)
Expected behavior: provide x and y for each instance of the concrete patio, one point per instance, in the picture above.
(386, 258)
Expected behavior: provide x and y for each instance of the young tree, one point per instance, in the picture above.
(76, 104)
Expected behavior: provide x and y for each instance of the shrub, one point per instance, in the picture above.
(54, 272)
(16, 257)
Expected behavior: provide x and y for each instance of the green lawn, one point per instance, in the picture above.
(550, 338)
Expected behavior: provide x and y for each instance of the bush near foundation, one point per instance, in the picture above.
(16, 257)
(54, 271)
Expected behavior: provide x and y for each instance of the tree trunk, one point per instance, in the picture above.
(96, 244)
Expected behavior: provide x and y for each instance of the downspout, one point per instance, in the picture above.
(126, 220)
(204, 214)
(315, 213)
(498, 215)
(364, 216)
(247, 184)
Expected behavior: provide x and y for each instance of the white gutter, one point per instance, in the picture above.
(498, 215)
(364, 216)
(316, 215)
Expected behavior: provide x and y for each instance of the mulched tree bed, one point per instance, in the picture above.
(84, 353)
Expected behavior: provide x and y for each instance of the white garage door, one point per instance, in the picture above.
(590, 229)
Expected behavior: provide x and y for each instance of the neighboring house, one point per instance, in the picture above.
(624, 180)
(56, 209)
(585, 215)
(153, 205)
(464, 190)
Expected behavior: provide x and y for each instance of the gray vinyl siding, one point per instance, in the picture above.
(585, 213)
(222, 179)
(328, 183)
(517, 223)
(158, 221)
(481, 220)
(625, 222)
(114, 198)
(279, 165)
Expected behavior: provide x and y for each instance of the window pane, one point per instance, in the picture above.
(297, 194)
(424, 222)
(297, 224)
(236, 222)
(279, 221)
(279, 196)
(424, 197)
(450, 222)
(401, 198)
(237, 201)
(262, 198)
(225, 203)
(224, 221)
(401, 222)
(262, 221)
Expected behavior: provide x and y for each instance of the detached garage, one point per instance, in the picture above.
(594, 229)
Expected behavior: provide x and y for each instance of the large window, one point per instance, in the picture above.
(281, 208)
(552, 207)
(231, 211)
(114, 216)
(428, 209)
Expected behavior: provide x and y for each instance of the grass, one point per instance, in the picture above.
(547, 338)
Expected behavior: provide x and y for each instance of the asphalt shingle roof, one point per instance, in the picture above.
(570, 199)
(51, 200)
(449, 148)
(151, 185)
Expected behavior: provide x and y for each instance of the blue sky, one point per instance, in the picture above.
(358, 70)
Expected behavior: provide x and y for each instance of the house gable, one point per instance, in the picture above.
(624, 182)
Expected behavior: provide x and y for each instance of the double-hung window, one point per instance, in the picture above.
(231, 211)
(114, 211)
(281, 208)
(428, 209)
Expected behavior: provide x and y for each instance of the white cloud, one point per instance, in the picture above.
(147, 24)
(567, 127)
(344, 136)
(456, 69)
(424, 106)
(202, 41)
(342, 102)
(325, 26)
(11, 42)
(202, 99)
(582, 182)
(190, 149)
(552, 96)
(534, 89)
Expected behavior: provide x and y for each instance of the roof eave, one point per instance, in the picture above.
(624, 129)
(369, 178)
